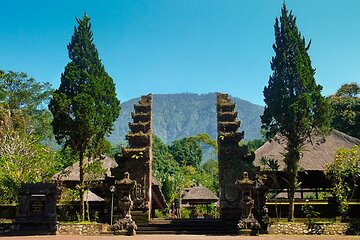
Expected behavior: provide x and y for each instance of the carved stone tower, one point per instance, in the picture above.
(233, 158)
(137, 158)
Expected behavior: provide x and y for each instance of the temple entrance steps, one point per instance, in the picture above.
(187, 226)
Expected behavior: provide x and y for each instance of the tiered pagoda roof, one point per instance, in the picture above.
(136, 158)
(233, 159)
(228, 124)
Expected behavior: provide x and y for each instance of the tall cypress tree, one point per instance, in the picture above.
(294, 107)
(85, 105)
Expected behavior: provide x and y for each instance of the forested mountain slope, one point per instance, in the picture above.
(176, 116)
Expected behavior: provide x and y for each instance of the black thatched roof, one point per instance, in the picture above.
(198, 195)
(315, 156)
(71, 173)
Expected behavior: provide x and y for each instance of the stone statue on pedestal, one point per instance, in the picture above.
(246, 204)
(125, 225)
(247, 225)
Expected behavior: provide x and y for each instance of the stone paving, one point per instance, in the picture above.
(184, 237)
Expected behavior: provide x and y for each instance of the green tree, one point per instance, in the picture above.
(253, 145)
(187, 151)
(23, 160)
(163, 160)
(165, 169)
(346, 105)
(211, 169)
(25, 126)
(345, 174)
(294, 107)
(206, 139)
(93, 171)
(25, 99)
(175, 176)
(85, 105)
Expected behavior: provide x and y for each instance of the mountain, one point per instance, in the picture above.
(176, 116)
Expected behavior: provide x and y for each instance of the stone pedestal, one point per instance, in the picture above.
(248, 232)
(124, 224)
(37, 208)
(247, 223)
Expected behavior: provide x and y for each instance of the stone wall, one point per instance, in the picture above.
(81, 229)
(8, 228)
(276, 228)
(318, 228)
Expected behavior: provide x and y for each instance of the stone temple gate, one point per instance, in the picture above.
(233, 158)
(137, 158)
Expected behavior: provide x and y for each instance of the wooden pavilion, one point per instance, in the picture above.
(314, 157)
(314, 184)
(198, 195)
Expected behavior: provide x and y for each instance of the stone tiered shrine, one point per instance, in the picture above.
(233, 158)
(124, 224)
(247, 225)
(136, 159)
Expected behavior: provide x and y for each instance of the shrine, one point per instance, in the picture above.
(136, 159)
(233, 159)
(37, 208)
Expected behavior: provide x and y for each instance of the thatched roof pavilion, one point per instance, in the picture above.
(198, 195)
(314, 157)
(71, 173)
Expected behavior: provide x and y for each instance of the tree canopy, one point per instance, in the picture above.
(85, 105)
(23, 159)
(24, 129)
(294, 107)
(174, 176)
(25, 100)
(187, 151)
(346, 105)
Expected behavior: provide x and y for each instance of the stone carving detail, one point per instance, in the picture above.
(233, 159)
(247, 221)
(247, 204)
(136, 158)
(37, 207)
(125, 225)
(125, 187)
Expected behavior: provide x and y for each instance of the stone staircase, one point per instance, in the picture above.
(187, 226)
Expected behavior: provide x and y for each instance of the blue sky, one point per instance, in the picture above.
(177, 46)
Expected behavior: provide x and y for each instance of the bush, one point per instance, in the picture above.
(310, 213)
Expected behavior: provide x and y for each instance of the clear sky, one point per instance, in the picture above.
(175, 46)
